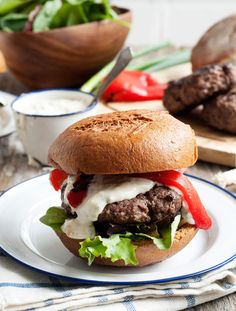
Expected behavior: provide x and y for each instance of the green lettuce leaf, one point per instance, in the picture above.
(13, 22)
(119, 246)
(7, 6)
(115, 247)
(167, 235)
(44, 18)
(54, 218)
(92, 248)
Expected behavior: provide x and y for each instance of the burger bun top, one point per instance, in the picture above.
(124, 142)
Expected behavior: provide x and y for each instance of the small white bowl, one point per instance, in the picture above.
(38, 129)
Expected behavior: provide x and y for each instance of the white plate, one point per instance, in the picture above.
(28, 241)
(7, 124)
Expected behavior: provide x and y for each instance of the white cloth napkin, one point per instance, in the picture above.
(226, 179)
(23, 289)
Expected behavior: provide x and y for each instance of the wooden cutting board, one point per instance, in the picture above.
(213, 145)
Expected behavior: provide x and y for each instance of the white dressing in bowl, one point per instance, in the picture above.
(53, 103)
(42, 115)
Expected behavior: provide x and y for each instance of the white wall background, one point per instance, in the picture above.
(180, 21)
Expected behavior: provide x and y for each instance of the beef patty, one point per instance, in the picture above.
(160, 205)
(220, 112)
(188, 92)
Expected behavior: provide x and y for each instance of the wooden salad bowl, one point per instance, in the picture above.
(63, 57)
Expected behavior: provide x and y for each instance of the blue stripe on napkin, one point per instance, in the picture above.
(118, 290)
(48, 302)
(184, 285)
(128, 303)
(102, 299)
(227, 285)
(168, 292)
(191, 301)
(197, 278)
(60, 287)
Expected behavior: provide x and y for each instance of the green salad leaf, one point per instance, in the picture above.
(54, 218)
(92, 248)
(13, 22)
(7, 6)
(62, 17)
(77, 2)
(55, 13)
(69, 15)
(167, 235)
(120, 246)
(115, 247)
(44, 18)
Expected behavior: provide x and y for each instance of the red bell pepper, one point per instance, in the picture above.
(134, 86)
(181, 182)
(57, 178)
(76, 198)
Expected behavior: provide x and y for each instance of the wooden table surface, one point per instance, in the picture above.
(14, 169)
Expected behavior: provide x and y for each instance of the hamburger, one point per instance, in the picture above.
(125, 199)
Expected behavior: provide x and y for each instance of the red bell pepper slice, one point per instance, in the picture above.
(134, 86)
(57, 178)
(76, 198)
(180, 181)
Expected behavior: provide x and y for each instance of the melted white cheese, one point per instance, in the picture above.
(102, 191)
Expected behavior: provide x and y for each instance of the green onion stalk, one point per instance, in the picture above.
(95, 80)
(177, 58)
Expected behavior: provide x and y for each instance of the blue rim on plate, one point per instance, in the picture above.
(88, 108)
(93, 282)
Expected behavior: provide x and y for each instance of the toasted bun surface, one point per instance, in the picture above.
(217, 45)
(147, 253)
(124, 142)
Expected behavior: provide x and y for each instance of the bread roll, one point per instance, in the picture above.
(124, 142)
(217, 45)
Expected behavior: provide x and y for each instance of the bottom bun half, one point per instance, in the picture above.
(147, 253)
